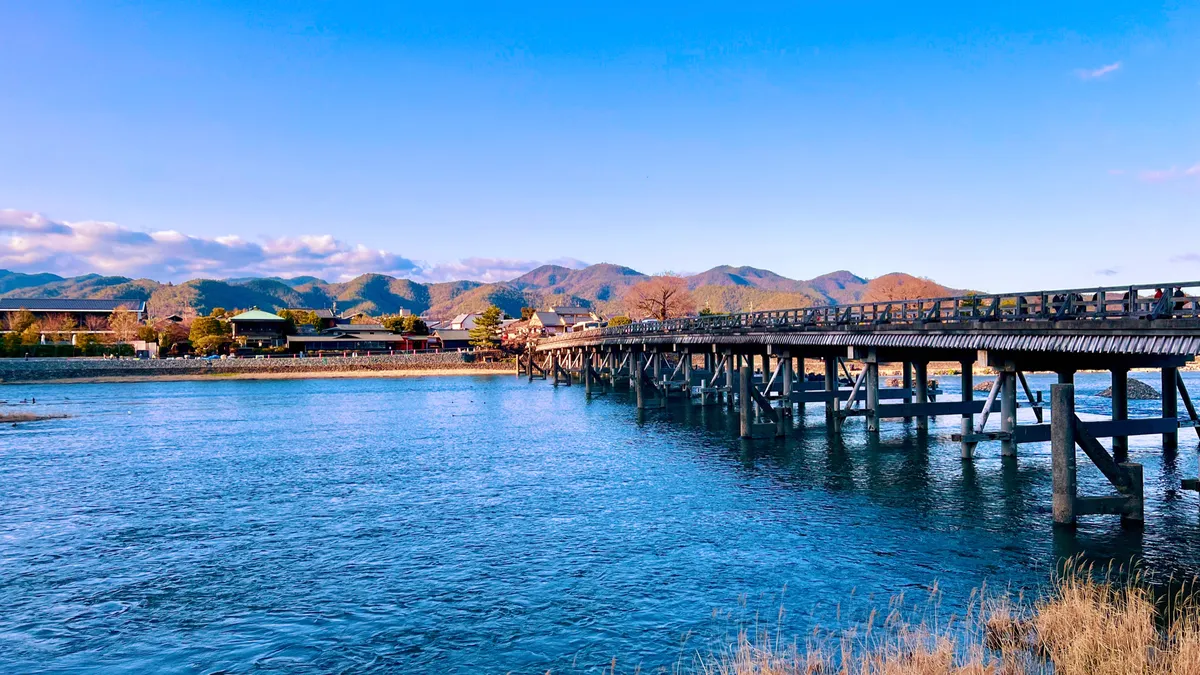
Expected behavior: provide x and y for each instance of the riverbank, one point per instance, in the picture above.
(85, 370)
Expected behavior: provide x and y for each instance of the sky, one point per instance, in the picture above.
(1002, 147)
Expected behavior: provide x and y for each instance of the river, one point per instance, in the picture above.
(486, 524)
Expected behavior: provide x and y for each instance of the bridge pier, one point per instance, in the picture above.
(1008, 410)
(1066, 432)
(832, 419)
(1170, 405)
(1120, 411)
(906, 382)
(968, 418)
(922, 375)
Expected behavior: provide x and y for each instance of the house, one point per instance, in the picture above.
(361, 337)
(464, 321)
(547, 323)
(87, 314)
(257, 328)
(453, 339)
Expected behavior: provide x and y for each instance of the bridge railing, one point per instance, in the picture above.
(1106, 303)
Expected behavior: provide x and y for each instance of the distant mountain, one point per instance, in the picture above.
(602, 287)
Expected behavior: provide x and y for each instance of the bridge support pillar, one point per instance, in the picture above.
(1066, 377)
(906, 381)
(1120, 411)
(635, 378)
(554, 366)
(785, 410)
(1008, 410)
(872, 384)
(922, 375)
(587, 373)
(968, 419)
(746, 401)
(832, 419)
(731, 367)
(1170, 406)
(1062, 453)
(800, 379)
(686, 369)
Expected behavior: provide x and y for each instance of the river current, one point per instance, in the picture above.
(486, 524)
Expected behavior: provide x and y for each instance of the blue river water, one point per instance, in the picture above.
(485, 524)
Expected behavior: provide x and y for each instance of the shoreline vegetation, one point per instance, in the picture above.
(14, 418)
(1085, 624)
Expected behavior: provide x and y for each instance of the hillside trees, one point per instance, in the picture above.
(899, 286)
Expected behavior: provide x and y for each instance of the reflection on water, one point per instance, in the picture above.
(487, 524)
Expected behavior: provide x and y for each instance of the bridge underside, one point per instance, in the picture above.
(765, 375)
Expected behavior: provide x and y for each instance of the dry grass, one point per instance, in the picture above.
(1087, 624)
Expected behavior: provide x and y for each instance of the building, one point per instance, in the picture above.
(547, 323)
(362, 337)
(87, 314)
(464, 321)
(257, 328)
(453, 339)
(575, 315)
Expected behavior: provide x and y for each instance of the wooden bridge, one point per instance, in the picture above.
(710, 360)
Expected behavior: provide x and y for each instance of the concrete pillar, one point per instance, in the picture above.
(745, 400)
(906, 381)
(1062, 453)
(801, 378)
(1008, 411)
(730, 367)
(872, 385)
(635, 378)
(1120, 411)
(1066, 377)
(785, 388)
(922, 374)
(831, 387)
(1136, 514)
(554, 367)
(1170, 406)
(686, 369)
(656, 370)
(587, 374)
(968, 419)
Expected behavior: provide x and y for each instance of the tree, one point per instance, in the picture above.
(527, 313)
(210, 344)
(898, 286)
(124, 324)
(32, 334)
(95, 323)
(206, 326)
(21, 320)
(487, 327)
(217, 312)
(662, 297)
(393, 323)
(620, 321)
(147, 334)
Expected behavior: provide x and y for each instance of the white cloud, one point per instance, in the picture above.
(31, 242)
(1099, 72)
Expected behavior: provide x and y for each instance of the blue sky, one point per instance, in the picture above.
(1006, 147)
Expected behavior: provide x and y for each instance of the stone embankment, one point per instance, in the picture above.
(34, 370)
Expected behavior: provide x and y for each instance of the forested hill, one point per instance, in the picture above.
(722, 289)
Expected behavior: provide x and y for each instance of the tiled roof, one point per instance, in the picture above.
(548, 318)
(69, 305)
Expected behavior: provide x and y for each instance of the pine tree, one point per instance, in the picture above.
(487, 328)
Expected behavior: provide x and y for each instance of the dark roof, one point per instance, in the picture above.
(69, 305)
(355, 338)
(571, 311)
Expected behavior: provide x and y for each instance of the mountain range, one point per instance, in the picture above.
(602, 286)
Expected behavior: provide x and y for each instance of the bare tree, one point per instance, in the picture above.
(124, 324)
(662, 297)
(95, 323)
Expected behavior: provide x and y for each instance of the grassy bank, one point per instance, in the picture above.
(1084, 625)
